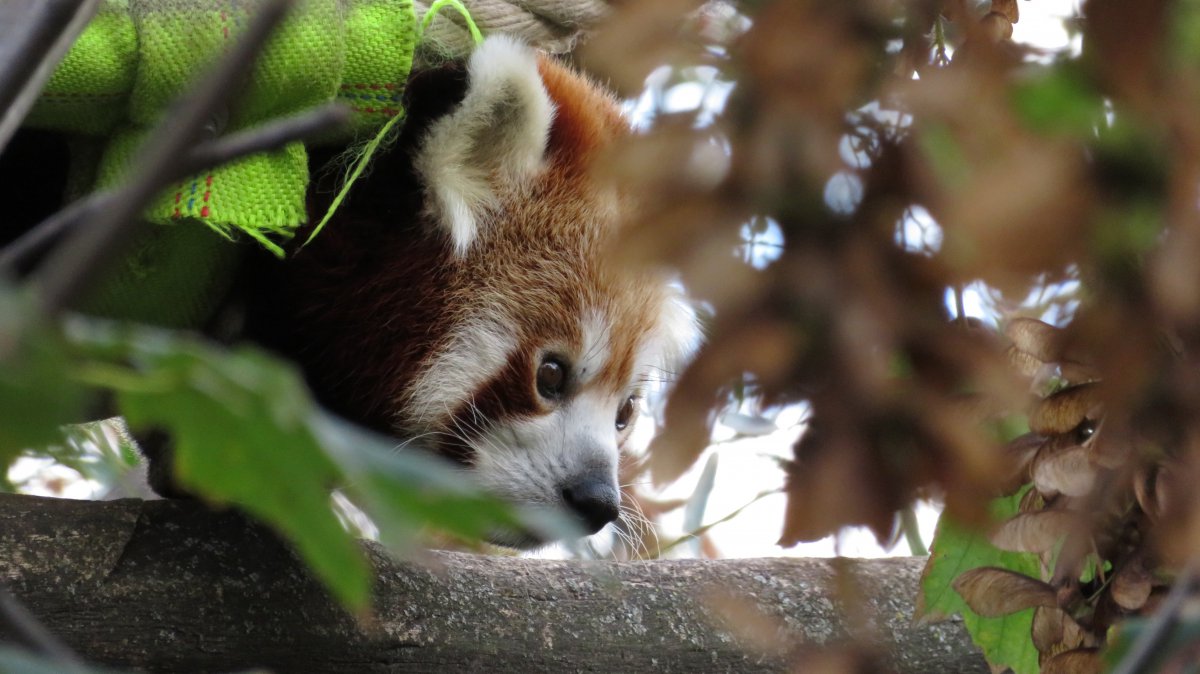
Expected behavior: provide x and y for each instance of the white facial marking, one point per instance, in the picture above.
(672, 342)
(477, 349)
(530, 461)
(597, 348)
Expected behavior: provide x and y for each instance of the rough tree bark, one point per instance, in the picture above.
(167, 586)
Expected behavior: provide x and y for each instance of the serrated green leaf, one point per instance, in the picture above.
(240, 431)
(240, 426)
(406, 488)
(956, 549)
(246, 432)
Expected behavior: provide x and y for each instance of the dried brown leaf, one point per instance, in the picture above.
(1078, 661)
(1143, 490)
(1035, 338)
(1064, 471)
(1018, 453)
(1027, 365)
(639, 37)
(1047, 630)
(1054, 631)
(1034, 532)
(992, 592)
(1072, 559)
(819, 503)
(996, 27)
(765, 348)
(1119, 32)
(1032, 501)
(993, 233)
(1076, 372)
(1131, 585)
(1112, 446)
(1008, 8)
(1064, 410)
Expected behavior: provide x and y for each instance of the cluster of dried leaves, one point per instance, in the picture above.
(1098, 491)
(1038, 168)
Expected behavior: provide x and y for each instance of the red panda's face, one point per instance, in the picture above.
(496, 331)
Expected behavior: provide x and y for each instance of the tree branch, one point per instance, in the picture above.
(168, 586)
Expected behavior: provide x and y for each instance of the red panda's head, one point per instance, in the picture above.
(475, 308)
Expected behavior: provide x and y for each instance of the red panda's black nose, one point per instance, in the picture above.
(594, 500)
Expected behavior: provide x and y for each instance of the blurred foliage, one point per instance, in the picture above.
(37, 393)
(1063, 186)
(247, 435)
(848, 167)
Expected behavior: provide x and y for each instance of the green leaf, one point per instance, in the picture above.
(246, 432)
(37, 394)
(239, 421)
(405, 488)
(1005, 641)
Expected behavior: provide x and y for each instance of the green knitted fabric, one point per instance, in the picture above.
(137, 56)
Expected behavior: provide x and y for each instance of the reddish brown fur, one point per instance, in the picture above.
(559, 231)
(376, 301)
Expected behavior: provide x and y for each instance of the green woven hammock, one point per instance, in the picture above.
(137, 56)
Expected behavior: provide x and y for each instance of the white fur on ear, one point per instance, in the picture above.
(495, 139)
(681, 331)
(676, 337)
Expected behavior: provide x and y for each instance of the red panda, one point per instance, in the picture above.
(464, 297)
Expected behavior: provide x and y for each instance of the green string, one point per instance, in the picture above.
(368, 151)
(437, 6)
(360, 165)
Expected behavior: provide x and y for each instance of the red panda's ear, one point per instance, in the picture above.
(491, 143)
(678, 334)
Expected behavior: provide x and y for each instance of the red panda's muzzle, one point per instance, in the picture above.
(594, 499)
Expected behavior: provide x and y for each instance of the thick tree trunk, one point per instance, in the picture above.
(167, 586)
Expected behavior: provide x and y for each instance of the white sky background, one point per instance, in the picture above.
(749, 466)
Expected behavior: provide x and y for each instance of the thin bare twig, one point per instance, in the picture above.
(18, 257)
(34, 635)
(270, 136)
(34, 36)
(74, 265)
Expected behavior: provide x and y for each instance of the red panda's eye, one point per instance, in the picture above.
(625, 413)
(551, 378)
